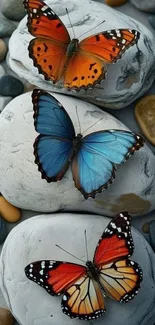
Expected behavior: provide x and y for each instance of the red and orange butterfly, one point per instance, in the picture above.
(81, 65)
(111, 272)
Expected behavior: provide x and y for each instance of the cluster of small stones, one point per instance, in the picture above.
(11, 12)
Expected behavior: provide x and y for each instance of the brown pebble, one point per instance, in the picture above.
(145, 228)
(8, 211)
(115, 3)
(6, 317)
(3, 50)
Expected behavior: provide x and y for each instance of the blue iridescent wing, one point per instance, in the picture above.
(53, 148)
(94, 166)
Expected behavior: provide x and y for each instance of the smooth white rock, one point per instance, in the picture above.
(21, 183)
(128, 79)
(35, 239)
(144, 5)
(4, 101)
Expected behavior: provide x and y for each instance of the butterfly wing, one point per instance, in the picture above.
(48, 49)
(82, 297)
(93, 167)
(87, 66)
(110, 45)
(119, 276)
(53, 147)
(83, 71)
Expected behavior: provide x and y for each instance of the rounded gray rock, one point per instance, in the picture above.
(13, 9)
(152, 20)
(10, 86)
(144, 5)
(6, 27)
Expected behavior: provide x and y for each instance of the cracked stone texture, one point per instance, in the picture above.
(132, 190)
(127, 80)
(37, 237)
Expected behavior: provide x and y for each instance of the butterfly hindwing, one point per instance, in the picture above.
(121, 279)
(94, 166)
(53, 147)
(84, 299)
(83, 70)
(110, 45)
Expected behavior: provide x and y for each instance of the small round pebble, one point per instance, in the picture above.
(10, 86)
(3, 230)
(13, 9)
(6, 27)
(3, 50)
(152, 20)
(8, 211)
(6, 317)
(115, 3)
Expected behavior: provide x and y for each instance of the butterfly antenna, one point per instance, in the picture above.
(70, 23)
(93, 125)
(69, 253)
(78, 119)
(92, 29)
(86, 244)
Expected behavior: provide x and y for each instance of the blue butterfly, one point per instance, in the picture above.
(93, 157)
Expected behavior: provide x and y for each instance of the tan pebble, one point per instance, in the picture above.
(115, 3)
(145, 228)
(3, 50)
(6, 317)
(9, 212)
(145, 115)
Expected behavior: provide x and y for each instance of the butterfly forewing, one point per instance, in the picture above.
(54, 276)
(53, 147)
(44, 23)
(116, 241)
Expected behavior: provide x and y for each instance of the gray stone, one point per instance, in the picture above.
(152, 20)
(4, 101)
(35, 239)
(6, 27)
(144, 5)
(3, 230)
(13, 9)
(10, 86)
(152, 234)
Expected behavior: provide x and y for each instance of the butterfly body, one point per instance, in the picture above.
(78, 64)
(84, 287)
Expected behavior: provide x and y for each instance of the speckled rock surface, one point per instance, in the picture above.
(132, 190)
(129, 78)
(37, 237)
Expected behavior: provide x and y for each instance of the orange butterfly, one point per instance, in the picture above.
(111, 273)
(80, 64)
